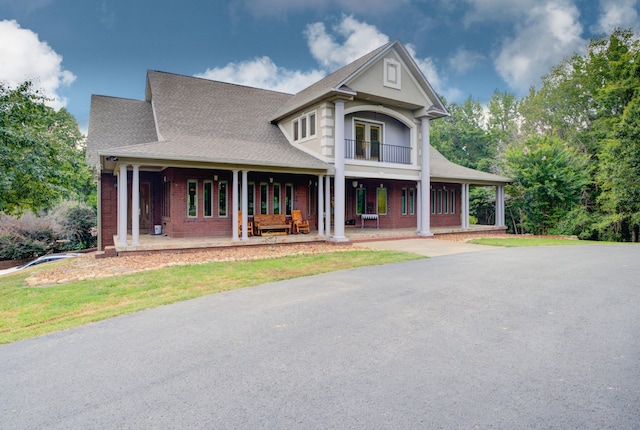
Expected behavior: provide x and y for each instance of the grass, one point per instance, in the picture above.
(27, 312)
(531, 241)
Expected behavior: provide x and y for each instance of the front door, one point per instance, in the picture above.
(145, 208)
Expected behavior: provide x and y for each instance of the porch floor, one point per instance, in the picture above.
(156, 243)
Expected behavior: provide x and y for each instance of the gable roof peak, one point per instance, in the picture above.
(336, 82)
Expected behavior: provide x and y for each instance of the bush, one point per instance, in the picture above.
(26, 237)
(77, 223)
(71, 226)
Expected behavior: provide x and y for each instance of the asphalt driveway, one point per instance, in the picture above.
(506, 338)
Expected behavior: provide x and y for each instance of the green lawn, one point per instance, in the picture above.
(28, 312)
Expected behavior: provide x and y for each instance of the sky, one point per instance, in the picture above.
(71, 49)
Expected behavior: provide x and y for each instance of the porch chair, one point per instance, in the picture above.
(299, 225)
(249, 226)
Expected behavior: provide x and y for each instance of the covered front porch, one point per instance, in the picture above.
(160, 243)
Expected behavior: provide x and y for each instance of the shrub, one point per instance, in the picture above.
(77, 222)
(26, 237)
(71, 226)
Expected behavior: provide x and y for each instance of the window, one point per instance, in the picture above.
(439, 201)
(452, 206)
(382, 201)
(192, 198)
(412, 201)
(312, 124)
(304, 127)
(403, 202)
(433, 202)
(368, 137)
(276, 199)
(208, 198)
(288, 198)
(222, 199)
(166, 197)
(252, 197)
(446, 201)
(264, 196)
(361, 200)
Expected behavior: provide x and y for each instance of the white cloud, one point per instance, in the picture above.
(349, 40)
(550, 33)
(263, 73)
(23, 56)
(464, 60)
(359, 38)
(617, 14)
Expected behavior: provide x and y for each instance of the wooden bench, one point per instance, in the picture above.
(271, 224)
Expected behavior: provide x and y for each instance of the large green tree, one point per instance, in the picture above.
(549, 177)
(586, 101)
(41, 153)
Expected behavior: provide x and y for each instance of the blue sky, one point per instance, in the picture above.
(75, 48)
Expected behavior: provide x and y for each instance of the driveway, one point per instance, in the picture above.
(508, 338)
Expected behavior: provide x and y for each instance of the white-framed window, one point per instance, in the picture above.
(439, 201)
(251, 197)
(288, 198)
(403, 202)
(452, 205)
(264, 198)
(222, 199)
(412, 201)
(192, 198)
(433, 202)
(277, 199)
(369, 136)
(361, 201)
(382, 201)
(304, 127)
(207, 195)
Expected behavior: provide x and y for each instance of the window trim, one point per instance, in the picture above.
(276, 199)
(382, 190)
(266, 197)
(195, 198)
(208, 207)
(305, 127)
(226, 199)
(288, 198)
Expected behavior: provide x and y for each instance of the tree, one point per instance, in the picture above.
(461, 137)
(41, 152)
(585, 101)
(549, 178)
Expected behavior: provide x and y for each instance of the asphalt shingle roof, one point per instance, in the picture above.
(117, 122)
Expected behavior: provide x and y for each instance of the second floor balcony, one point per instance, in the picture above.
(377, 151)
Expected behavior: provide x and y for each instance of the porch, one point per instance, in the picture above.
(160, 243)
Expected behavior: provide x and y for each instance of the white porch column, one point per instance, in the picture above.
(418, 205)
(327, 205)
(245, 205)
(339, 180)
(320, 205)
(425, 182)
(464, 198)
(122, 205)
(234, 206)
(135, 206)
(499, 205)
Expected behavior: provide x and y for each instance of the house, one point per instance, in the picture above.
(206, 156)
